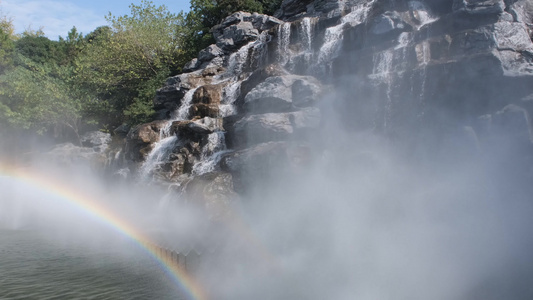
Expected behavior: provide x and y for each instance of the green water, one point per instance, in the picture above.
(37, 265)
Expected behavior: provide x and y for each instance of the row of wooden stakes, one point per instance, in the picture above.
(185, 261)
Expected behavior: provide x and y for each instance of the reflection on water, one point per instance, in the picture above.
(35, 266)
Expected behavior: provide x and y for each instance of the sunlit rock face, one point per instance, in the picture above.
(415, 72)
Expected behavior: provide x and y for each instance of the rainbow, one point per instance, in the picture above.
(191, 289)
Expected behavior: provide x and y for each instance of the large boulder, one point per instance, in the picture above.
(70, 155)
(254, 129)
(200, 127)
(255, 166)
(479, 6)
(140, 140)
(202, 110)
(209, 53)
(240, 28)
(213, 193)
(255, 163)
(292, 8)
(283, 93)
(209, 94)
(97, 140)
(168, 97)
(235, 36)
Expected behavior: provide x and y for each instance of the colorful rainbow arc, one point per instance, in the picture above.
(182, 279)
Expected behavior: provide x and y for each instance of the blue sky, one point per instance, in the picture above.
(59, 16)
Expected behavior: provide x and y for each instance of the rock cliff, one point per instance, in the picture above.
(416, 72)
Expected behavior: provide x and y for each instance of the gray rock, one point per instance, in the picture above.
(209, 53)
(70, 155)
(193, 65)
(192, 127)
(516, 63)
(236, 18)
(272, 95)
(512, 36)
(202, 126)
(97, 140)
(309, 118)
(255, 164)
(209, 94)
(261, 128)
(253, 167)
(282, 93)
(259, 21)
(479, 6)
(122, 130)
(522, 11)
(291, 8)
(213, 124)
(235, 36)
(214, 192)
(264, 22)
(168, 97)
(383, 24)
(515, 122)
(140, 140)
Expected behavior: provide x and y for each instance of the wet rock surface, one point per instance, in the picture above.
(393, 67)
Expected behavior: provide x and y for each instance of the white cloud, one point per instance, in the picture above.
(56, 17)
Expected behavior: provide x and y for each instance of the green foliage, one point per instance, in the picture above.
(135, 52)
(109, 76)
(7, 44)
(32, 99)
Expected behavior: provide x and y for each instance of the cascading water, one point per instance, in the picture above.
(284, 39)
(238, 60)
(167, 141)
(381, 74)
(334, 35)
(211, 153)
(306, 31)
(423, 50)
(230, 94)
(245, 57)
(158, 155)
(183, 111)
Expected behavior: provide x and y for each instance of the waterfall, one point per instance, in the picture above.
(167, 141)
(403, 40)
(212, 152)
(158, 156)
(306, 32)
(284, 39)
(238, 59)
(381, 74)
(183, 111)
(334, 35)
(230, 94)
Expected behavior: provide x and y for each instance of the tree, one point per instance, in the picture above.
(7, 43)
(30, 98)
(126, 62)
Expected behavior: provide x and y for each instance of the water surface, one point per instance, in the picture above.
(37, 265)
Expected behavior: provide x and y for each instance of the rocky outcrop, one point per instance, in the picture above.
(399, 68)
(93, 152)
(283, 93)
(254, 129)
(140, 140)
